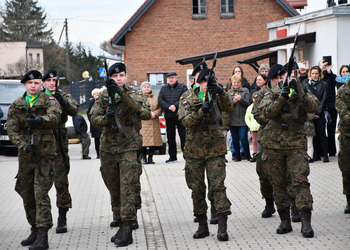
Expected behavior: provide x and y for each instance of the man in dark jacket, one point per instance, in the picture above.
(168, 98)
(79, 131)
(95, 132)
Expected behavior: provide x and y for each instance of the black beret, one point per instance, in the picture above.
(275, 70)
(171, 74)
(50, 74)
(285, 67)
(30, 75)
(203, 76)
(116, 68)
(198, 67)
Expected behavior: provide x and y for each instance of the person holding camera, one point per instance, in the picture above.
(205, 150)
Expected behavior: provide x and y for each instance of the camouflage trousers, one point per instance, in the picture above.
(343, 161)
(215, 169)
(138, 200)
(265, 185)
(120, 175)
(34, 189)
(60, 179)
(288, 169)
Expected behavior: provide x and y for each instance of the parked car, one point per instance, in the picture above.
(10, 90)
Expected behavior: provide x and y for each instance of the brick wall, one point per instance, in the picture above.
(167, 32)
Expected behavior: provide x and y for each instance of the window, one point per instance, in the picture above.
(30, 59)
(227, 8)
(199, 9)
(38, 59)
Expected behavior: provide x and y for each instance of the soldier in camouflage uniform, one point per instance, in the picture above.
(119, 147)
(284, 155)
(69, 106)
(31, 120)
(342, 105)
(265, 185)
(205, 150)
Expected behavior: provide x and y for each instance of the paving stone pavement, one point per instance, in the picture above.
(166, 219)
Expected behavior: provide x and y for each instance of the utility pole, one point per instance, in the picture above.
(68, 73)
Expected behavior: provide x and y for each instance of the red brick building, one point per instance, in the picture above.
(162, 31)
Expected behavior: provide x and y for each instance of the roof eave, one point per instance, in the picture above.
(130, 23)
(291, 11)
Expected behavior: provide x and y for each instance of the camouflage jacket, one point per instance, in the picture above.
(257, 112)
(46, 107)
(342, 104)
(204, 138)
(131, 107)
(286, 118)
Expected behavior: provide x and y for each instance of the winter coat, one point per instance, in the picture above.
(252, 124)
(320, 90)
(95, 132)
(170, 95)
(239, 108)
(150, 130)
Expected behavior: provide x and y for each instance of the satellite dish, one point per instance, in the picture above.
(86, 74)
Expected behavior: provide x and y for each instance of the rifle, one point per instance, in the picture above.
(212, 99)
(291, 61)
(116, 123)
(59, 133)
(32, 137)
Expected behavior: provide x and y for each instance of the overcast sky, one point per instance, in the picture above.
(92, 22)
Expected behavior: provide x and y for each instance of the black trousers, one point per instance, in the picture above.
(331, 127)
(320, 140)
(97, 145)
(171, 126)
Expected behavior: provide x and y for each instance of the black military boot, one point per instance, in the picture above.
(269, 208)
(31, 238)
(118, 234)
(62, 220)
(203, 229)
(114, 223)
(150, 156)
(213, 216)
(134, 225)
(306, 228)
(347, 208)
(294, 211)
(222, 229)
(285, 226)
(125, 238)
(41, 240)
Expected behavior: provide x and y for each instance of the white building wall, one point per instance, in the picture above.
(10, 53)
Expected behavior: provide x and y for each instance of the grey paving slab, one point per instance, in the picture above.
(166, 219)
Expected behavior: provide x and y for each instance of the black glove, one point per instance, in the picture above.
(110, 112)
(112, 87)
(285, 92)
(293, 84)
(206, 106)
(34, 121)
(60, 98)
(30, 148)
(215, 88)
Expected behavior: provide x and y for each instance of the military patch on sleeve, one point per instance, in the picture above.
(184, 103)
(140, 93)
(267, 93)
(69, 95)
(52, 98)
(9, 106)
(132, 92)
(181, 98)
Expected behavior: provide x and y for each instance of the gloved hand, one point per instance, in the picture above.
(293, 84)
(30, 148)
(110, 112)
(215, 88)
(34, 121)
(113, 87)
(285, 92)
(60, 98)
(206, 106)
